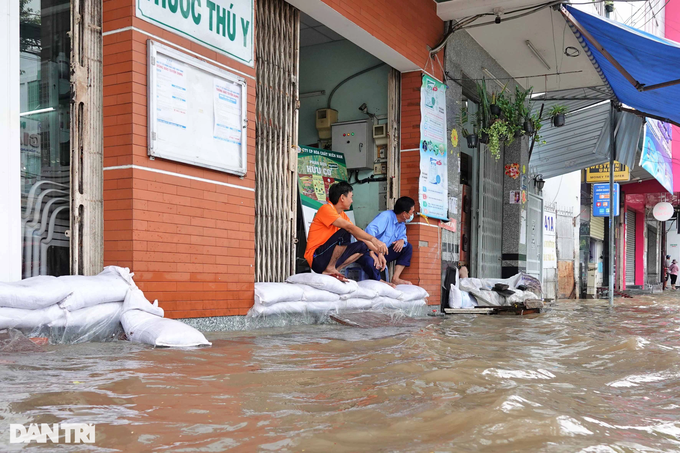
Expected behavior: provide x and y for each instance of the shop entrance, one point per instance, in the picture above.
(349, 106)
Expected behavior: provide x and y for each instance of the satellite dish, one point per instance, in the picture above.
(663, 211)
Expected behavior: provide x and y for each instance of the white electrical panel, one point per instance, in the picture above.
(355, 140)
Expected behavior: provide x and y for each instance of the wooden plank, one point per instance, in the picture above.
(469, 311)
(367, 319)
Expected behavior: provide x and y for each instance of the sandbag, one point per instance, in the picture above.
(274, 293)
(110, 285)
(96, 323)
(19, 318)
(323, 307)
(382, 289)
(316, 295)
(455, 297)
(33, 293)
(324, 282)
(360, 293)
(412, 292)
(468, 300)
(282, 308)
(406, 305)
(355, 304)
(142, 325)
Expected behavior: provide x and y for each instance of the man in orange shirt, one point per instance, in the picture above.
(329, 246)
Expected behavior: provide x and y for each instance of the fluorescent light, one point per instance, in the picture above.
(311, 94)
(35, 112)
(535, 52)
(493, 77)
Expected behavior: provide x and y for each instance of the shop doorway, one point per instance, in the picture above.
(349, 105)
(45, 96)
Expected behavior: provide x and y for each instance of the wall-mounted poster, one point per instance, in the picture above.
(318, 169)
(433, 188)
(657, 153)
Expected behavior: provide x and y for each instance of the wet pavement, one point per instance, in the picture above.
(581, 377)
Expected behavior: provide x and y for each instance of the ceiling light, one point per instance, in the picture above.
(492, 77)
(535, 52)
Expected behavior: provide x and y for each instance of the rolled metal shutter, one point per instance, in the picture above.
(630, 247)
(597, 228)
(490, 215)
(276, 131)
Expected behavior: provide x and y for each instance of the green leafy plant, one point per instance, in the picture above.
(499, 132)
(484, 112)
(557, 109)
(537, 129)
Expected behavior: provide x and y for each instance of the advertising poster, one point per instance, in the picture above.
(549, 243)
(318, 169)
(433, 187)
(657, 153)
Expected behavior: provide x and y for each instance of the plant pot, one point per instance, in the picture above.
(472, 140)
(518, 133)
(558, 120)
(609, 8)
(495, 110)
(529, 128)
(484, 138)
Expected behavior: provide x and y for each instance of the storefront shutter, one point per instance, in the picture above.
(630, 247)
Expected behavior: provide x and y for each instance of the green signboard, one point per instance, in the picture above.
(318, 169)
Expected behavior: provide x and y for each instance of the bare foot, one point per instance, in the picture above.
(337, 275)
(399, 281)
(388, 283)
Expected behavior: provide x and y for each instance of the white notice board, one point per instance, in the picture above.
(197, 112)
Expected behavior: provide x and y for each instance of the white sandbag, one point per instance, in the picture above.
(355, 304)
(20, 318)
(96, 323)
(323, 307)
(274, 293)
(33, 293)
(387, 303)
(382, 289)
(316, 295)
(91, 317)
(324, 282)
(135, 300)
(110, 285)
(412, 292)
(360, 293)
(455, 297)
(143, 327)
(282, 308)
(467, 300)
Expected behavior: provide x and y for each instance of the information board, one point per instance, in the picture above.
(318, 169)
(600, 173)
(197, 112)
(602, 201)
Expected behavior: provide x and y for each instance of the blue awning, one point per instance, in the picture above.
(633, 63)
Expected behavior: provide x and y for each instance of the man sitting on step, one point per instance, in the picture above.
(329, 246)
(390, 227)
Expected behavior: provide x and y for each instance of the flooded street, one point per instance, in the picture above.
(580, 377)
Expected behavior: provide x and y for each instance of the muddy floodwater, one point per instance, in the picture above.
(580, 377)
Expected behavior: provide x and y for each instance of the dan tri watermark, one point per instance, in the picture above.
(68, 433)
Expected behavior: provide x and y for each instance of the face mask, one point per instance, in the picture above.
(409, 219)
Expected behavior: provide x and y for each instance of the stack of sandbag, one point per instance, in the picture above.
(144, 323)
(317, 293)
(74, 309)
(66, 309)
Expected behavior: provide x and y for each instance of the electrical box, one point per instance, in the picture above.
(355, 140)
(324, 119)
(380, 134)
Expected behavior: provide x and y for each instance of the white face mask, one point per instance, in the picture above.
(409, 219)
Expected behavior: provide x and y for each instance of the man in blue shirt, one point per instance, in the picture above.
(390, 228)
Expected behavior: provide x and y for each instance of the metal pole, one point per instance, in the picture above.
(612, 203)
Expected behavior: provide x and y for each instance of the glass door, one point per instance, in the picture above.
(45, 93)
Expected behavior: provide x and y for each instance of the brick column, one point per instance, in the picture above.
(423, 234)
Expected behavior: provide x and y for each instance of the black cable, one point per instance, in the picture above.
(330, 97)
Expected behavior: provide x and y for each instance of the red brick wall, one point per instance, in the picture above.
(407, 26)
(424, 235)
(189, 242)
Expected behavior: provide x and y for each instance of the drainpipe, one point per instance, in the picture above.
(612, 227)
(87, 138)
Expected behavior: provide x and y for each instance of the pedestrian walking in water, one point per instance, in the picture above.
(673, 270)
(666, 265)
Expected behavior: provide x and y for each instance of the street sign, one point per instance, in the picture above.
(602, 201)
(600, 173)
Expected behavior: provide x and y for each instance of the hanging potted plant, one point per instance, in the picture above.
(499, 132)
(523, 111)
(609, 6)
(463, 119)
(557, 114)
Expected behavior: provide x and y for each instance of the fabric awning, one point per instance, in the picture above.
(643, 70)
